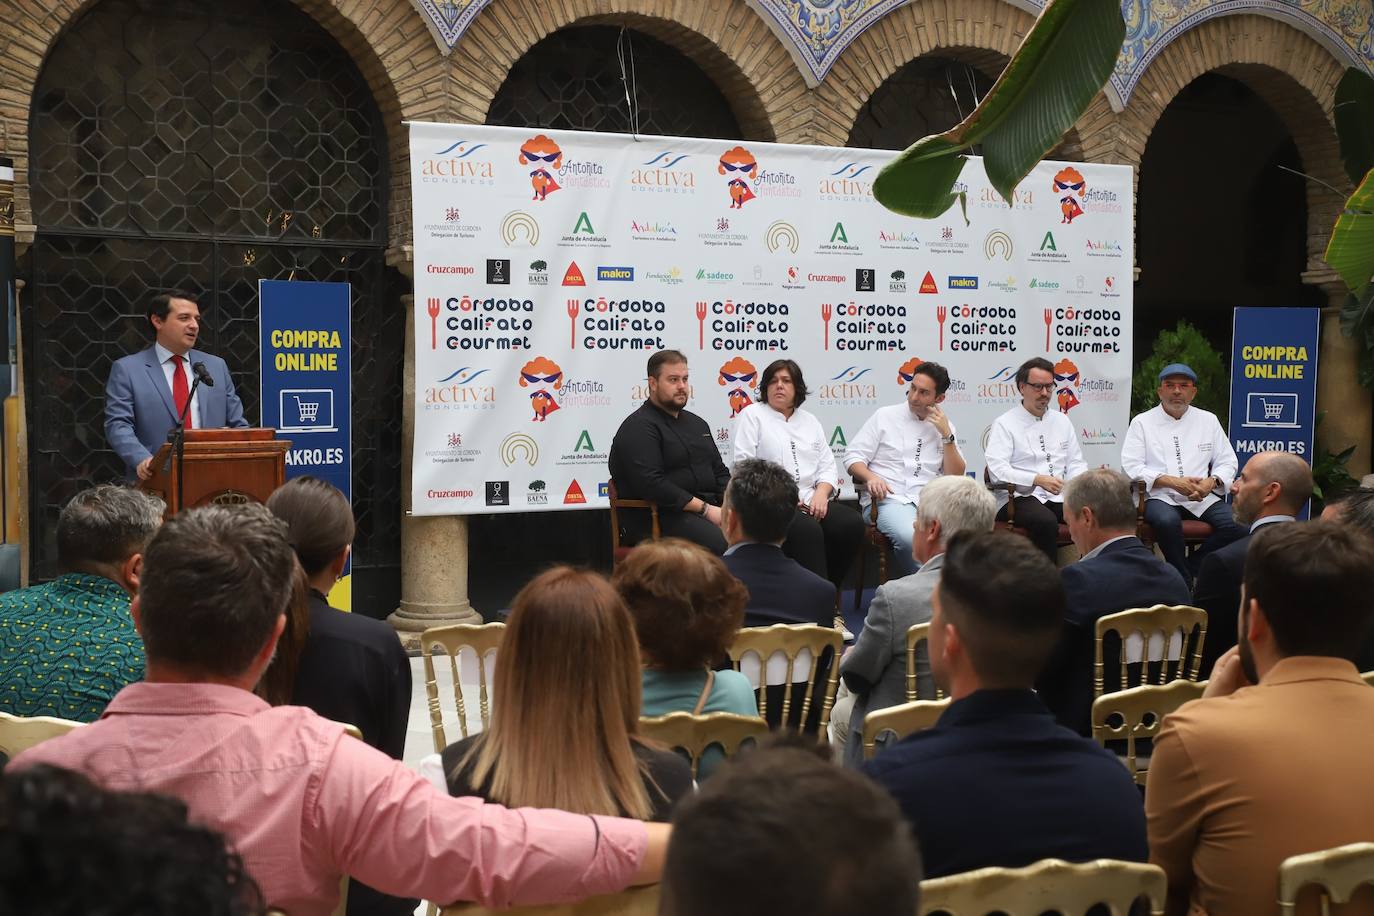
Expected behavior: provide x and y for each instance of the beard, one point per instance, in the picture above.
(1247, 655)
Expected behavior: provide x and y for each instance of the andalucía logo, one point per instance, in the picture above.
(1068, 182)
(665, 173)
(542, 373)
(584, 234)
(456, 164)
(739, 164)
(574, 495)
(573, 276)
(741, 376)
(543, 154)
(1049, 250)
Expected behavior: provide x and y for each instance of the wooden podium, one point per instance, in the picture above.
(228, 466)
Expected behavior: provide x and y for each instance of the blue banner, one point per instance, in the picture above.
(1274, 381)
(306, 392)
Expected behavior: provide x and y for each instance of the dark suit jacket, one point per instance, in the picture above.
(1126, 574)
(997, 783)
(780, 589)
(1217, 591)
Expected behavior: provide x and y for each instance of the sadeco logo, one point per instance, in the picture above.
(615, 273)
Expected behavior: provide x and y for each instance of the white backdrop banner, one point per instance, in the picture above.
(549, 265)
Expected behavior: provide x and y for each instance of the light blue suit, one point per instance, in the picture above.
(139, 411)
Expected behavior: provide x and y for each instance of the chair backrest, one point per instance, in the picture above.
(18, 733)
(1051, 884)
(637, 901)
(483, 640)
(694, 734)
(915, 634)
(1136, 713)
(1368, 677)
(791, 641)
(1161, 620)
(617, 503)
(901, 720)
(1339, 872)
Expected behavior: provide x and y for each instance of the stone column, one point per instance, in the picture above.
(1339, 393)
(434, 549)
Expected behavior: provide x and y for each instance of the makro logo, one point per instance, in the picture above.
(742, 168)
(460, 390)
(457, 164)
(962, 282)
(542, 373)
(615, 273)
(850, 181)
(1068, 182)
(664, 173)
(544, 155)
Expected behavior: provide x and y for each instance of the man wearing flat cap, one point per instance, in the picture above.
(1187, 463)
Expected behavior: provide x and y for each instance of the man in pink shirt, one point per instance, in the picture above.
(303, 803)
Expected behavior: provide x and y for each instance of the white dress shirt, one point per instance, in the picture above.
(901, 448)
(1022, 446)
(169, 368)
(1192, 446)
(796, 443)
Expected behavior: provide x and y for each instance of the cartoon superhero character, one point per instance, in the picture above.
(541, 149)
(541, 371)
(908, 370)
(1066, 183)
(1066, 385)
(739, 162)
(740, 373)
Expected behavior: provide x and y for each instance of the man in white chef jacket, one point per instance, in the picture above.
(1036, 449)
(1187, 463)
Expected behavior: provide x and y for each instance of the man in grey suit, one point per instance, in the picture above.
(147, 391)
(874, 670)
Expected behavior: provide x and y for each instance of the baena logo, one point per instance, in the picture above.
(1066, 385)
(539, 273)
(739, 163)
(460, 390)
(537, 494)
(741, 375)
(897, 282)
(457, 164)
(1069, 181)
(574, 495)
(540, 372)
(540, 151)
(665, 173)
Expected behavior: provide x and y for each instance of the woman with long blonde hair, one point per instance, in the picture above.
(565, 710)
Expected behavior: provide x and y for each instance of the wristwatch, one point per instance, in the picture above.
(950, 439)
(704, 506)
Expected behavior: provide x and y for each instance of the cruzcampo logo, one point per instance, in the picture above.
(1047, 243)
(837, 437)
(839, 234)
(584, 443)
(583, 225)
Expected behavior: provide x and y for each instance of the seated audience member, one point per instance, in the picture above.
(782, 830)
(278, 682)
(997, 782)
(69, 645)
(68, 847)
(1117, 572)
(1250, 775)
(350, 668)
(875, 669)
(1270, 489)
(303, 803)
(759, 506)
(565, 711)
(1355, 510)
(686, 608)
(822, 535)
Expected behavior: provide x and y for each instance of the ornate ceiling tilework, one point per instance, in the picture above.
(448, 19)
(816, 32)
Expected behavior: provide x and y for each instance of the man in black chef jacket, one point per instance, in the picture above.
(666, 454)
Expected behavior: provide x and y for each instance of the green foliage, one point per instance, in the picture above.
(1351, 249)
(1062, 64)
(1184, 344)
(1330, 476)
(1354, 114)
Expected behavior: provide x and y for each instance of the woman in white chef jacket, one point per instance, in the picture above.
(824, 535)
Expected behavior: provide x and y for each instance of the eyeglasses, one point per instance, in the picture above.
(737, 167)
(1065, 186)
(537, 379)
(741, 377)
(535, 157)
(1041, 386)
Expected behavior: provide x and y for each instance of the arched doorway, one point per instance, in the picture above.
(204, 146)
(928, 95)
(572, 80)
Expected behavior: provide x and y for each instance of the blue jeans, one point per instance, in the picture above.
(895, 521)
(1167, 521)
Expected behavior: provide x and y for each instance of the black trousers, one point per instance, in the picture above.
(826, 547)
(673, 524)
(1041, 521)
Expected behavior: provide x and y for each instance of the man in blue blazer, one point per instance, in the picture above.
(1117, 572)
(146, 390)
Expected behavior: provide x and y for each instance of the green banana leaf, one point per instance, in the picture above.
(1062, 64)
(1354, 113)
(1351, 249)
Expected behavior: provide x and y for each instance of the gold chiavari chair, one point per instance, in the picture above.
(19, 733)
(482, 639)
(901, 720)
(1368, 677)
(916, 634)
(1135, 714)
(792, 641)
(694, 734)
(1339, 872)
(1161, 620)
(1049, 885)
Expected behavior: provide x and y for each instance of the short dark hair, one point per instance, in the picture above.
(138, 852)
(1356, 509)
(686, 605)
(804, 835)
(1005, 598)
(161, 304)
(936, 373)
(663, 358)
(215, 580)
(764, 496)
(1314, 581)
(798, 382)
(106, 524)
(1035, 362)
(318, 518)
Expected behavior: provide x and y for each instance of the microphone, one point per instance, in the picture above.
(203, 374)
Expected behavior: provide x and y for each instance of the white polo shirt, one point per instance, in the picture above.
(1192, 446)
(904, 450)
(797, 443)
(1022, 446)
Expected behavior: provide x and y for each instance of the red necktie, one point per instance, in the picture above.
(181, 393)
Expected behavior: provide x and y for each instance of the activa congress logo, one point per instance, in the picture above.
(850, 181)
(742, 168)
(461, 390)
(664, 173)
(852, 386)
(544, 154)
(458, 163)
(542, 373)
(740, 378)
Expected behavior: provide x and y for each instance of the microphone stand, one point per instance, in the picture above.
(177, 436)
